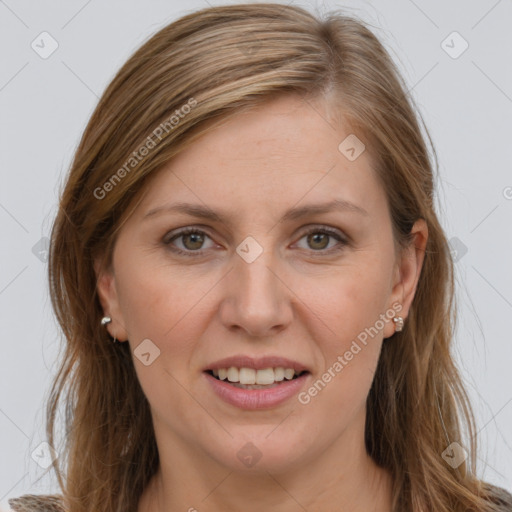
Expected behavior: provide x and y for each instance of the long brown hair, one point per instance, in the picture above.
(193, 74)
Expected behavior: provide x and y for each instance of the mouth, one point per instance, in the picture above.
(250, 378)
(255, 384)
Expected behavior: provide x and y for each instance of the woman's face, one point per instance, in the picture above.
(254, 285)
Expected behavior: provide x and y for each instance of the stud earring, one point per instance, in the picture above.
(399, 323)
(106, 320)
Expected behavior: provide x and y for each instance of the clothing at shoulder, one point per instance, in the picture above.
(54, 502)
(37, 503)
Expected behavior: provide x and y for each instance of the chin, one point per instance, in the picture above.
(261, 449)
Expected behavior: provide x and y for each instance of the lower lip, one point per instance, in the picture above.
(256, 398)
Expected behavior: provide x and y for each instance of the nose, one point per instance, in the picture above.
(256, 301)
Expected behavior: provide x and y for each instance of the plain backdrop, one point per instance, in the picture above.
(461, 82)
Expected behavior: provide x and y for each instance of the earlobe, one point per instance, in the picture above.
(107, 293)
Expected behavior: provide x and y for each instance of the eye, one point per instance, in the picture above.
(193, 240)
(317, 238)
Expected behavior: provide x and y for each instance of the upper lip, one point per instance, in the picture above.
(257, 363)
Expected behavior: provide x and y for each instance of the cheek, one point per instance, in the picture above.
(164, 306)
(158, 301)
(350, 305)
(353, 299)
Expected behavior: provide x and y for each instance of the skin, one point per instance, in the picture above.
(295, 300)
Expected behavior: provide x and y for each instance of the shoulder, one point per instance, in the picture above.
(37, 503)
(499, 496)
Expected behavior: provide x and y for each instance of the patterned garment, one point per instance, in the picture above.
(37, 503)
(53, 502)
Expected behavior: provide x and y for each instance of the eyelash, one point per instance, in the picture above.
(324, 230)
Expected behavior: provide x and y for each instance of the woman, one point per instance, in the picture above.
(254, 286)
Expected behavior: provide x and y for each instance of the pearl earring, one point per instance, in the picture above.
(399, 323)
(106, 320)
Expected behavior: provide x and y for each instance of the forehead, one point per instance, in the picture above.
(283, 152)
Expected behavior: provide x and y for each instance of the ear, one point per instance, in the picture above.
(107, 292)
(407, 274)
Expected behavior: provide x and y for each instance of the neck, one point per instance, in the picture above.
(343, 477)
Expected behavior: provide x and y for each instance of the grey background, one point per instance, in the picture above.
(45, 103)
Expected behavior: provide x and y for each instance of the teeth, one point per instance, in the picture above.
(265, 376)
(247, 376)
(289, 373)
(233, 374)
(250, 376)
(279, 374)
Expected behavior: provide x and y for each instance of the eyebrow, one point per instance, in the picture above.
(203, 212)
